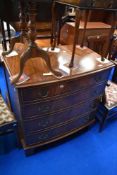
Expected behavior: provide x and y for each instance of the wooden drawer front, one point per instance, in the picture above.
(38, 109)
(59, 117)
(39, 93)
(57, 132)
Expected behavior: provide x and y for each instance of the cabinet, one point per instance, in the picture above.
(93, 28)
(48, 108)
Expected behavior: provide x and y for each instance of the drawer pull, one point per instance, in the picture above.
(43, 94)
(44, 108)
(61, 86)
(44, 124)
(43, 137)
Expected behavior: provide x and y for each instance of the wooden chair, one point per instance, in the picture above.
(108, 104)
(8, 124)
(5, 38)
(98, 43)
(113, 55)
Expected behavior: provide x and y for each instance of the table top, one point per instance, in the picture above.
(89, 5)
(91, 25)
(86, 62)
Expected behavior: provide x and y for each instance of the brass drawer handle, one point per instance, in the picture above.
(44, 108)
(61, 86)
(43, 94)
(43, 137)
(44, 124)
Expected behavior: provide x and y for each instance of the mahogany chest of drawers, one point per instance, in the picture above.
(48, 108)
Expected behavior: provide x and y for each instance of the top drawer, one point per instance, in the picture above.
(38, 93)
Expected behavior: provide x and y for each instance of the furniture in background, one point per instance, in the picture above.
(3, 83)
(9, 12)
(32, 49)
(85, 6)
(28, 33)
(98, 43)
(108, 107)
(6, 35)
(8, 125)
(92, 29)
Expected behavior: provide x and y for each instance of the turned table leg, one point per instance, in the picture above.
(33, 50)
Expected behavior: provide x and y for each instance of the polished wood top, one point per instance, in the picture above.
(91, 25)
(91, 5)
(86, 62)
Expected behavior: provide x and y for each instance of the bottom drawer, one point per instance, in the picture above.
(58, 132)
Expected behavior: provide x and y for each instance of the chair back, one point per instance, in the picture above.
(98, 43)
(113, 55)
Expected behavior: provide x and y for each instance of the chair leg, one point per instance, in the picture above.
(102, 123)
(3, 35)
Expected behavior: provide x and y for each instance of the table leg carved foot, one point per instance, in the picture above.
(32, 52)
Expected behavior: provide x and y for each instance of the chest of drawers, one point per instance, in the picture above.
(47, 108)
